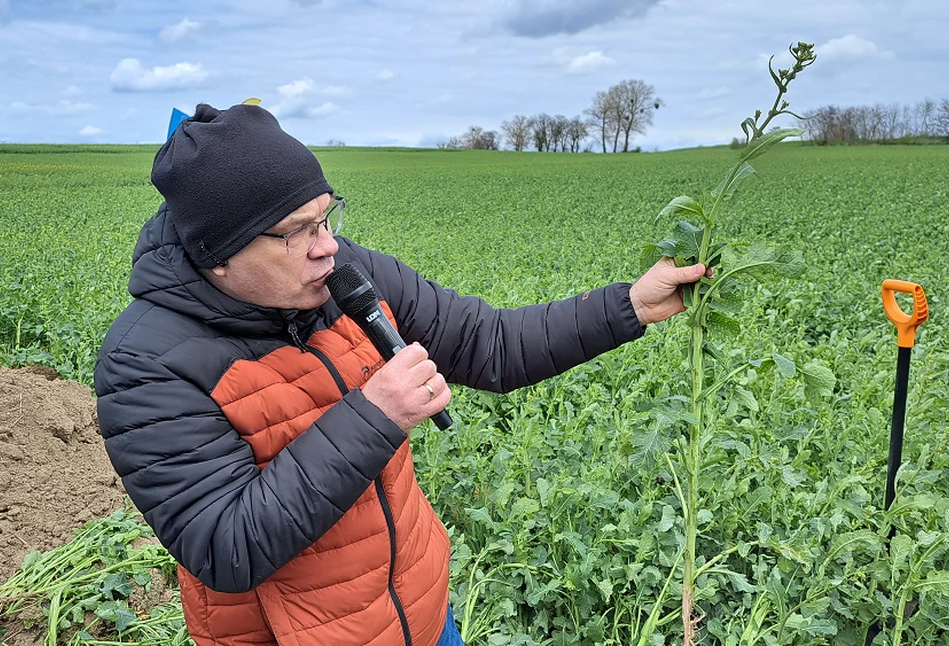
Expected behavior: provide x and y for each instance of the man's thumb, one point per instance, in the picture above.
(691, 273)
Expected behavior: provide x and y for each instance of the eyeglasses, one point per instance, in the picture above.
(301, 240)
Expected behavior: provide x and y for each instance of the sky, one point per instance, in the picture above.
(417, 72)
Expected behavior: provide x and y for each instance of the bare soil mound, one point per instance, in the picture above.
(54, 472)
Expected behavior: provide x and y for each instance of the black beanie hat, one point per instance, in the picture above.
(229, 175)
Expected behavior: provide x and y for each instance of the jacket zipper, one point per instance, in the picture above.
(380, 491)
(390, 523)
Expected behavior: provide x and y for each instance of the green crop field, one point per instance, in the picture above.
(561, 499)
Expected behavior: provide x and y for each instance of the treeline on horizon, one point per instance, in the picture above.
(877, 123)
(627, 109)
(611, 121)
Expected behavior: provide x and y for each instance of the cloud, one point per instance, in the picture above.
(72, 90)
(385, 75)
(130, 76)
(301, 110)
(307, 3)
(60, 108)
(4, 12)
(336, 91)
(539, 18)
(714, 93)
(297, 100)
(184, 30)
(850, 48)
(589, 63)
(90, 130)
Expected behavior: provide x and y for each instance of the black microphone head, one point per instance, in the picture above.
(350, 289)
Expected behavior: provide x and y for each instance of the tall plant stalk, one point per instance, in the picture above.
(694, 244)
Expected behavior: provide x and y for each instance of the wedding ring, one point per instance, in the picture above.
(431, 391)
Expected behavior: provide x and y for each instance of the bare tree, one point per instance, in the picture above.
(876, 123)
(477, 138)
(602, 115)
(453, 143)
(517, 131)
(617, 114)
(907, 128)
(472, 138)
(558, 132)
(490, 140)
(577, 131)
(638, 102)
(540, 131)
(925, 111)
(891, 121)
(941, 125)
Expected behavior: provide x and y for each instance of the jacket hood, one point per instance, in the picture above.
(163, 274)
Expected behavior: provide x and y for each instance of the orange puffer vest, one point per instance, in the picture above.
(379, 576)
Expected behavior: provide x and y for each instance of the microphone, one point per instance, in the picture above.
(357, 299)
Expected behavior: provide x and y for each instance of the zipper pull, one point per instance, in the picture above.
(292, 329)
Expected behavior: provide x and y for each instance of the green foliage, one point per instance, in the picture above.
(563, 489)
(81, 590)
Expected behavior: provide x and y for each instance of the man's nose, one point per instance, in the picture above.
(326, 245)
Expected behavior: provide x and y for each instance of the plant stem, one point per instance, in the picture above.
(692, 456)
(693, 467)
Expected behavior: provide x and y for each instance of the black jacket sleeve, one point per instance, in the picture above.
(225, 520)
(500, 350)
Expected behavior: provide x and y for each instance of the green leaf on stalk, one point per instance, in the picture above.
(667, 520)
(524, 507)
(117, 612)
(727, 190)
(819, 381)
(654, 252)
(760, 261)
(901, 548)
(746, 398)
(682, 206)
(481, 515)
(722, 323)
(843, 545)
(715, 255)
(749, 127)
(116, 585)
(651, 443)
(812, 626)
(937, 581)
(687, 298)
(764, 531)
(740, 581)
(574, 539)
(688, 239)
(785, 366)
(759, 146)
(543, 491)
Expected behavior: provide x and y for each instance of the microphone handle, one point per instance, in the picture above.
(388, 342)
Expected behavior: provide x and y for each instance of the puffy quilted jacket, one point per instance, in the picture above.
(289, 500)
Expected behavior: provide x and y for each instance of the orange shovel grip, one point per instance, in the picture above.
(906, 324)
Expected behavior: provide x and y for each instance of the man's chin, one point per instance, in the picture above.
(313, 298)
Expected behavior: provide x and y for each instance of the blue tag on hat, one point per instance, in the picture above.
(177, 116)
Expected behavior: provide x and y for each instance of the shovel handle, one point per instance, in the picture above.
(906, 324)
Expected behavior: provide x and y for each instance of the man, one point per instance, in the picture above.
(256, 427)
